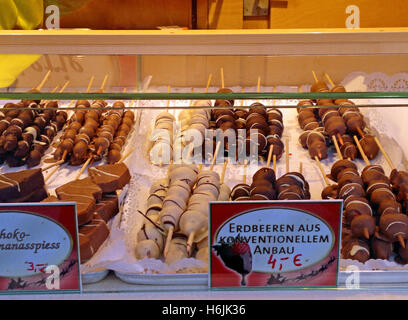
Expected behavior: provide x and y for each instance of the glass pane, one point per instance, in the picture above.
(152, 112)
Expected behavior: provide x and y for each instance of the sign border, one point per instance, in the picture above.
(273, 287)
(75, 240)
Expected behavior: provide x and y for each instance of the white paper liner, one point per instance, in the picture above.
(372, 265)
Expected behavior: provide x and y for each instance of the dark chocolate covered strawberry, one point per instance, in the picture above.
(236, 256)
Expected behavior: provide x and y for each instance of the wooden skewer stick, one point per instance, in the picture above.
(168, 240)
(329, 79)
(217, 149)
(222, 78)
(191, 101)
(99, 151)
(133, 101)
(336, 145)
(127, 154)
(274, 162)
(57, 165)
(65, 86)
(171, 229)
(366, 233)
(268, 162)
(208, 83)
(242, 101)
(124, 91)
(43, 81)
(70, 103)
(168, 101)
(300, 167)
(224, 169)
(340, 138)
(258, 86)
(64, 155)
(245, 170)
(51, 173)
(360, 132)
(326, 180)
(53, 165)
(315, 77)
(53, 90)
(367, 162)
(90, 83)
(387, 158)
(83, 167)
(102, 88)
(401, 241)
(287, 154)
(274, 100)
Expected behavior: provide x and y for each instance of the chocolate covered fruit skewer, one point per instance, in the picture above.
(194, 221)
(150, 239)
(292, 185)
(398, 180)
(54, 122)
(91, 158)
(359, 224)
(395, 218)
(176, 200)
(20, 124)
(74, 124)
(164, 121)
(392, 223)
(333, 123)
(241, 192)
(93, 138)
(122, 132)
(354, 121)
(363, 155)
(75, 129)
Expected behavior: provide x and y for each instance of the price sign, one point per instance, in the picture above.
(39, 248)
(275, 243)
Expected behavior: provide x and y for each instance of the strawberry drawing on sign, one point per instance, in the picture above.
(236, 256)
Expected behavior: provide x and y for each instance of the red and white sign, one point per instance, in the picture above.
(39, 248)
(275, 243)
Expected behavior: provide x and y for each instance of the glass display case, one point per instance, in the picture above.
(136, 112)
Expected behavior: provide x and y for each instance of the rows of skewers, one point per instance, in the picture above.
(375, 224)
(243, 131)
(327, 121)
(99, 132)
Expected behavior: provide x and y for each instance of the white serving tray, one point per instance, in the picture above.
(385, 278)
(93, 277)
(164, 279)
(377, 277)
